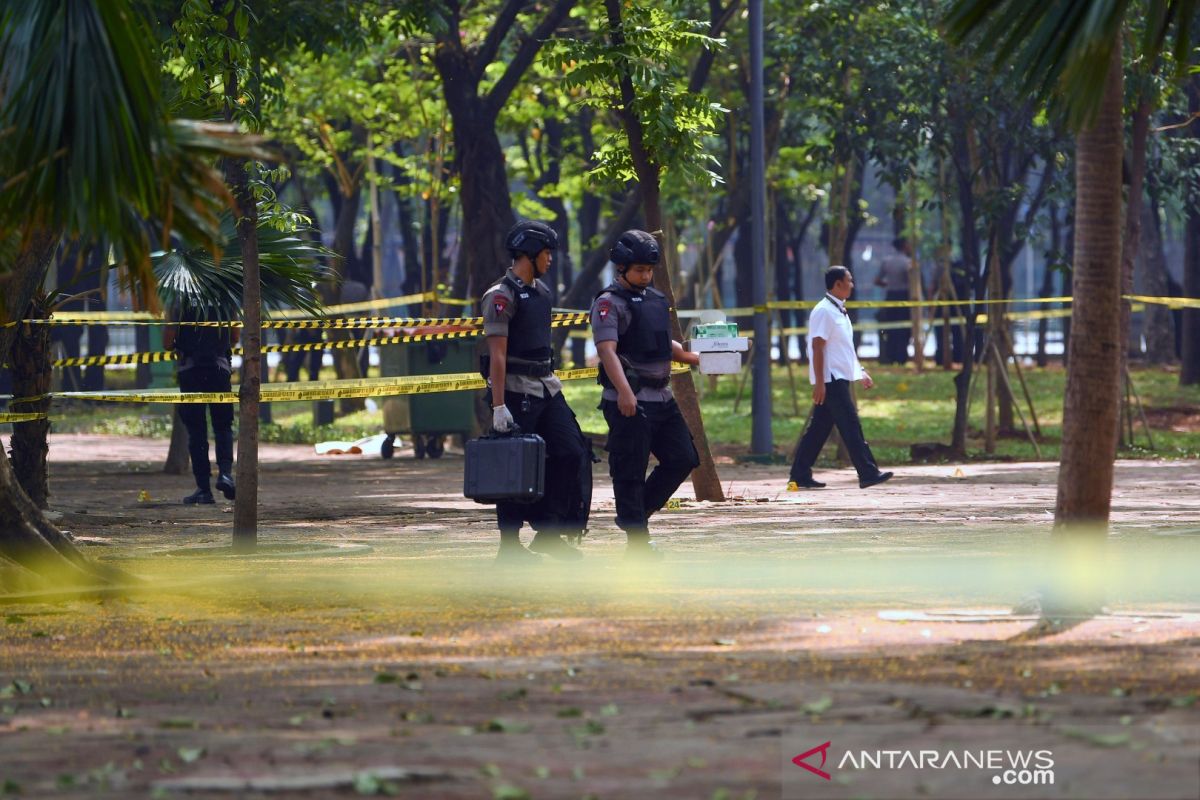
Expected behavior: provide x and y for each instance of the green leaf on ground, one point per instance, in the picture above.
(190, 755)
(819, 706)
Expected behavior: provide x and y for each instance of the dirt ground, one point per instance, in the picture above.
(373, 648)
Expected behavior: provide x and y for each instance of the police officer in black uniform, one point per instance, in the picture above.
(631, 325)
(204, 356)
(525, 392)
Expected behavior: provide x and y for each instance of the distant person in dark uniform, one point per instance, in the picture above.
(832, 366)
(525, 392)
(631, 325)
(203, 364)
(893, 277)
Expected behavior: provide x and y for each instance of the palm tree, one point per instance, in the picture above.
(1069, 51)
(88, 152)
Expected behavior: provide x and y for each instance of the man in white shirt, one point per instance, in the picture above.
(832, 365)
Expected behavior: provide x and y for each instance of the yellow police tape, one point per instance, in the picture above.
(303, 347)
(147, 318)
(903, 324)
(317, 390)
(6, 418)
(746, 311)
(351, 323)
(298, 319)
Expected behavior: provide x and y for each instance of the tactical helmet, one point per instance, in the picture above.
(634, 247)
(530, 237)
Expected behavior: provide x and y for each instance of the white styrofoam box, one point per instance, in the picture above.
(725, 363)
(731, 344)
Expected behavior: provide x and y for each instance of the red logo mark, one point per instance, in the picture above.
(500, 304)
(602, 308)
(822, 749)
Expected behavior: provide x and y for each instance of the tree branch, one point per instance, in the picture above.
(486, 53)
(718, 19)
(520, 62)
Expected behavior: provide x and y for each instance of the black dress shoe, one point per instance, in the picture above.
(869, 482)
(807, 483)
(225, 486)
(199, 497)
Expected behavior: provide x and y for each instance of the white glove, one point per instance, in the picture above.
(502, 419)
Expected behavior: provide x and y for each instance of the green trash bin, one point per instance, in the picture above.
(428, 418)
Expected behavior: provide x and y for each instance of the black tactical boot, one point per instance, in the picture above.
(551, 544)
(225, 485)
(640, 548)
(513, 554)
(201, 496)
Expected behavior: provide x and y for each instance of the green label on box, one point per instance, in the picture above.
(715, 330)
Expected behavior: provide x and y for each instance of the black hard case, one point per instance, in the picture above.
(507, 468)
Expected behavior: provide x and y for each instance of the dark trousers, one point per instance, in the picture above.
(568, 468)
(207, 379)
(838, 409)
(893, 343)
(657, 428)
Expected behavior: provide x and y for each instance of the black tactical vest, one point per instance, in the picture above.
(648, 337)
(201, 346)
(529, 329)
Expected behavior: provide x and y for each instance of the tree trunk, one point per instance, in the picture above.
(1053, 257)
(245, 505)
(178, 460)
(1091, 404)
(1131, 246)
(705, 481)
(30, 361)
(1158, 324)
(27, 538)
(1189, 372)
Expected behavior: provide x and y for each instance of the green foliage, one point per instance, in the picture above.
(88, 149)
(1062, 49)
(290, 265)
(659, 43)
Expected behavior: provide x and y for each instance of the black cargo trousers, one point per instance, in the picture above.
(563, 509)
(658, 428)
(205, 378)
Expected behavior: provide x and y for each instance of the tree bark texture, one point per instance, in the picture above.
(30, 362)
(705, 481)
(1091, 404)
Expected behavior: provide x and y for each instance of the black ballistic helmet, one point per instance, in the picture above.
(634, 247)
(530, 237)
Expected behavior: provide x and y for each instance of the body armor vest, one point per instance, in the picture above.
(647, 340)
(529, 329)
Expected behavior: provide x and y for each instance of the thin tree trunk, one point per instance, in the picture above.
(1131, 243)
(245, 505)
(1091, 404)
(1189, 372)
(1158, 324)
(705, 481)
(178, 460)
